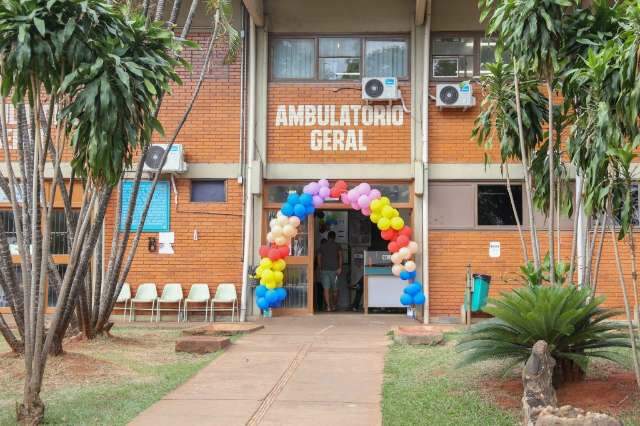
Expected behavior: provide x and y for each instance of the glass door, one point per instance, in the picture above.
(298, 277)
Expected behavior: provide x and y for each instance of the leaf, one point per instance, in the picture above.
(39, 23)
(149, 86)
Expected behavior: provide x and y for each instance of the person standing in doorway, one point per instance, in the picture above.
(330, 266)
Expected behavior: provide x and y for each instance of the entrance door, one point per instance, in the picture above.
(298, 276)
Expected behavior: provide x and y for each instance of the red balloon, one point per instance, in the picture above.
(274, 254)
(393, 247)
(341, 184)
(406, 231)
(335, 192)
(264, 251)
(402, 240)
(284, 251)
(388, 235)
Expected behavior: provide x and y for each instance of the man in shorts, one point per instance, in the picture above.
(330, 266)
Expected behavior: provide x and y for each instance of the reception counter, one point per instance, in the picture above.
(381, 288)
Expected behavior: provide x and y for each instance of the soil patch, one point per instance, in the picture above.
(613, 394)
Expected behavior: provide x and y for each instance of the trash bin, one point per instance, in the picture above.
(480, 291)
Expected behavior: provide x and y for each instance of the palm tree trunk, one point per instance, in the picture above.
(523, 244)
(174, 12)
(634, 274)
(527, 174)
(552, 186)
(16, 345)
(593, 276)
(189, 20)
(623, 287)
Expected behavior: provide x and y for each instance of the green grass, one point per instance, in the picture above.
(423, 386)
(145, 368)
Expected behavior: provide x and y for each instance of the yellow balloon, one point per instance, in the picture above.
(279, 265)
(385, 201)
(270, 285)
(266, 263)
(279, 276)
(259, 271)
(376, 205)
(375, 217)
(384, 224)
(396, 213)
(387, 211)
(267, 275)
(397, 223)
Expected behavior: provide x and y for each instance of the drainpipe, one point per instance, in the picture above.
(580, 237)
(425, 161)
(251, 141)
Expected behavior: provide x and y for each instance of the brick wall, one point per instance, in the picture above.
(291, 144)
(451, 251)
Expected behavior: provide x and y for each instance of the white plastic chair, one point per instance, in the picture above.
(171, 293)
(198, 293)
(146, 293)
(225, 293)
(124, 297)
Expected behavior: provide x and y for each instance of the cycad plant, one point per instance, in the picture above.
(573, 324)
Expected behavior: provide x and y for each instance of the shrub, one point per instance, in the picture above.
(572, 322)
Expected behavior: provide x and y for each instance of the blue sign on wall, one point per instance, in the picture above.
(158, 217)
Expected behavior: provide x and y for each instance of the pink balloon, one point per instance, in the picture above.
(317, 201)
(345, 198)
(353, 195)
(323, 183)
(365, 188)
(374, 194)
(314, 187)
(366, 211)
(363, 201)
(324, 191)
(355, 206)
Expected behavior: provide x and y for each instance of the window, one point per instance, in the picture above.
(208, 191)
(494, 205)
(293, 59)
(339, 58)
(461, 56)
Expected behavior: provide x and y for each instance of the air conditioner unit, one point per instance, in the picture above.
(380, 89)
(175, 160)
(455, 95)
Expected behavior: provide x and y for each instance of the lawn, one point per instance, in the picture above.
(423, 386)
(104, 382)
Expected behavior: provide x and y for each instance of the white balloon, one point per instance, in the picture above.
(289, 231)
(270, 237)
(282, 220)
(404, 252)
(396, 258)
(294, 220)
(273, 222)
(276, 230)
(413, 247)
(397, 269)
(410, 266)
(281, 240)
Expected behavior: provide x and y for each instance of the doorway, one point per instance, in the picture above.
(354, 234)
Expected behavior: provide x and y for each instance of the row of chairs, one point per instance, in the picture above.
(172, 294)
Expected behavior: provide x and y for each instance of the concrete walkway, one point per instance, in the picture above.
(321, 370)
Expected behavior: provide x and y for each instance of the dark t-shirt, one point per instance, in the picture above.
(329, 252)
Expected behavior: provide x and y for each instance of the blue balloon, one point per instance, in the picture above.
(404, 275)
(293, 198)
(419, 299)
(271, 296)
(261, 291)
(310, 209)
(282, 293)
(262, 303)
(413, 289)
(300, 210)
(406, 300)
(412, 275)
(276, 304)
(306, 199)
(287, 209)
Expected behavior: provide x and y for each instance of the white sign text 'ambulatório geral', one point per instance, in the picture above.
(332, 122)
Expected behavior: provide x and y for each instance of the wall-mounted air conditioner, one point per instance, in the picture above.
(380, 89)
(455, 95)
(175, 160)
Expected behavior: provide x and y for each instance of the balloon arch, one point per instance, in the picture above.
(271, 293)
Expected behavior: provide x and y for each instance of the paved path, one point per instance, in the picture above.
(320, 370)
